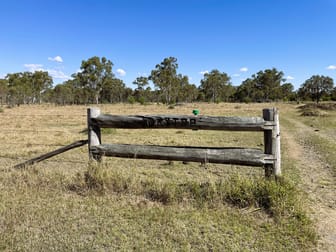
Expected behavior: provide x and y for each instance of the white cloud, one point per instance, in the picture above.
(57, 59)
(57, 74)
(121, 72)
(54, 73)
(34, 67)
(290, 77)
(331, 67)
(243, 69)
(204, 72)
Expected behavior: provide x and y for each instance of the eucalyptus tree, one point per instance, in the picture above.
(3, 90)
(19, 88)
(95, 73)
(269, 83)
(287, 92)
(41, 81)
(266, 85)
(113, 91)
(64, 93)
(216, 86)
(165, 78)
(186, 92)
(317, 87)
(141, 92)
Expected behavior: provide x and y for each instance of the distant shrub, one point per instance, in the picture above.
(313, 112)
(131, 99)
(142, 100)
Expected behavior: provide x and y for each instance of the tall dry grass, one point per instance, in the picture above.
(129, 204)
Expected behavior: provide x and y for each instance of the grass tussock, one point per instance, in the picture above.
(277, 199)
(322, 106)
(313, 112)
(317, 109)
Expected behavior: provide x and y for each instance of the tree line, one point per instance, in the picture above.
(96, 83)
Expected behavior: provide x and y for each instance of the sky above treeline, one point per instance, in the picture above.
(238, 37)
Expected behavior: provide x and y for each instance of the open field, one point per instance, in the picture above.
(64, 203)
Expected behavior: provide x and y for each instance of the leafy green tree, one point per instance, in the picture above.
(287, 91)
(264, 86)
(317, 87)
(27, 87)
(141, 93)
(64, 94)
(333, 94)
(40, 82)
(113, 91)
(95, 73)
(247, 91)
(216, 86)
(19, 88)
(3, 90)
(164, 77)
(141, 82)
(187, 92)
(269, 82)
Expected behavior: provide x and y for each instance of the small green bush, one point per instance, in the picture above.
(131, 99)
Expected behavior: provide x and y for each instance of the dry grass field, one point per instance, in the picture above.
(68, 204)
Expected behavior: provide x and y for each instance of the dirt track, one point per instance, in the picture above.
(318, 179)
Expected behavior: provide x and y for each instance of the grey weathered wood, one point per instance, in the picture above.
(276, 144)
(51, 154)
(238, 156)
(268, 115)
(181, 122)
(94, 133)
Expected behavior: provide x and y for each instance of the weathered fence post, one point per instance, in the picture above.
(94, 134)
(276, 144)
(272, 142)
(268, 116)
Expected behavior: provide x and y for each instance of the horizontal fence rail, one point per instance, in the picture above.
(268, 124)
(182, 122)
(241, 156)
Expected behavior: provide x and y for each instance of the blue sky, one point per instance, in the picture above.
(239, 37)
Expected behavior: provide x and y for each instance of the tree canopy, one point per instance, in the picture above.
(216, 86)
(94, 75)
(316, 87)
(96, 83)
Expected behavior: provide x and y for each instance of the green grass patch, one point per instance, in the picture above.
(325, 147)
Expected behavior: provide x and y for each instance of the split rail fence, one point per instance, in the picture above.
(269, 158)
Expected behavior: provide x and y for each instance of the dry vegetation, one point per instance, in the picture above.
(129, 204)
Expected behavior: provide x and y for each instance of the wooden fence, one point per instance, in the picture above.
(269, 158)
